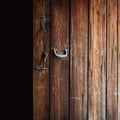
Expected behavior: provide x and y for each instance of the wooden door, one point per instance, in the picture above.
(85, 85)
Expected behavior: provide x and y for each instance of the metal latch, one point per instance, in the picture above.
(44, 21)
(44, 55)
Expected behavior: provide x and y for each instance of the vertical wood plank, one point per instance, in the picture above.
(40, 78)
(59, 76)
(97, 60)
(118, 59)
(112, 60)
(78, 59)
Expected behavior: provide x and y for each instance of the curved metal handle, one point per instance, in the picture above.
(59, 55)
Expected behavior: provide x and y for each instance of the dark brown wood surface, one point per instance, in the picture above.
(112, 60)
(86, 84)
(40, 78)
(97, 60)
(59, 68)
(78, 59)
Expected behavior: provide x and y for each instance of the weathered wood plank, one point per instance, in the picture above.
(40, 78)
(97, 60)
(118, 59)
(78, 59)
(112, 60)
(59, 76)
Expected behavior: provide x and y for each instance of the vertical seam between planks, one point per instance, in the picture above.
(88, 61)
(117, 59)
(50, 56)
(106, 57)
(69, 59)
(106, 51)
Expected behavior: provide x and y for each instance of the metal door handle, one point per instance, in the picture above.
(60, 55)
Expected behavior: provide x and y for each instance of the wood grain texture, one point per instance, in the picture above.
(40, 78)
(112, 60)
(118, 59)
(97, 60)
(59, 74)
(78, 59)
(86, 84)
